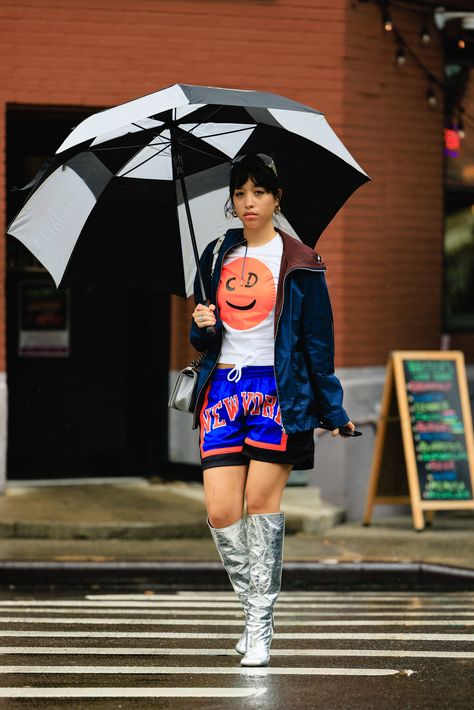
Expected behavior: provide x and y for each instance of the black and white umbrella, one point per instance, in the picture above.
(137, 191)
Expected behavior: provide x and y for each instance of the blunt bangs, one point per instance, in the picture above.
(258, 173)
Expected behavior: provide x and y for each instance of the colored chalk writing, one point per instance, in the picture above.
(424, 443)
(438, 429)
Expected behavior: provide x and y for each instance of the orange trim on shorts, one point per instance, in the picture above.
(226, 450)
(274, 447)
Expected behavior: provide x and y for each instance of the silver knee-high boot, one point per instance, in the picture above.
(265, 534)
(231, 543)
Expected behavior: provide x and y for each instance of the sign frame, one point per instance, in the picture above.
(38, 340)
(395, 375)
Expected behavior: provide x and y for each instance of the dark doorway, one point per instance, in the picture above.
(87, 367)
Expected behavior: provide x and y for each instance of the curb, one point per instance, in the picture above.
(296, 521)
(211, 575)
(100, 531)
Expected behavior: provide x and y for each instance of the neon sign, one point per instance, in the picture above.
(452, 142)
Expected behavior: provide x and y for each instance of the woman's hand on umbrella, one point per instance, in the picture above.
(204, 315)
(350, 425)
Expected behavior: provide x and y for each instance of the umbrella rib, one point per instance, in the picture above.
(201, 122)
(168, 143)
(146, 160)
(190, 147)
(121, 147)
(223, 133)
(204, 152)
(143, 145)
(133, 145)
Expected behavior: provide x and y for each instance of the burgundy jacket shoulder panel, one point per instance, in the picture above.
(296, 255)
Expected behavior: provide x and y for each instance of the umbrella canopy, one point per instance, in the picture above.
(137, 191)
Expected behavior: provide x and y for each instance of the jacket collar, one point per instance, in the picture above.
(296, 255)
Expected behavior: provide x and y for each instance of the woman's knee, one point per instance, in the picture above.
(259, 502)
(220, 517)
(224, 494)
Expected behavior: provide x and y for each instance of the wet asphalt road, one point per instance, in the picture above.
(331, 650)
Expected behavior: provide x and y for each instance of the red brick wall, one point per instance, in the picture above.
(383, 250)
(393, 227)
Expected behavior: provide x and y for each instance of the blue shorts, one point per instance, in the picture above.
(241, 421)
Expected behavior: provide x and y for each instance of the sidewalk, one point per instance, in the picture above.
(134, 520)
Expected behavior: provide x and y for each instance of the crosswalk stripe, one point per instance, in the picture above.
(147, 651)
(120, 692)
(237, 613)
(196, 670)
(309, 636)
(100, 621)
(357, 623)
(211, 606)
(214, 597)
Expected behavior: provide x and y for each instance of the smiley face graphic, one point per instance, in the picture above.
(245, 302)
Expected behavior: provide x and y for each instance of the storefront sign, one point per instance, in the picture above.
(424, 448)
(43, 320)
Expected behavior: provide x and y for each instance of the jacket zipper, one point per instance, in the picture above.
(215, 364)
(295, 268)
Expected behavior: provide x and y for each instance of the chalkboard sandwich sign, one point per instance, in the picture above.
(424, 450)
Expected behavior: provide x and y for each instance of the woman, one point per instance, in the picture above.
(266, 381)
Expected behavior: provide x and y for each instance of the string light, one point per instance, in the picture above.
(387, 19)
(400, 56)
(405, 52)
(425, 33)
(431, 96)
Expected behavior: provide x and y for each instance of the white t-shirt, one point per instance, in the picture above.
(246, 297)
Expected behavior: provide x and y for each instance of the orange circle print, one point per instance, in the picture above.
(246, 301)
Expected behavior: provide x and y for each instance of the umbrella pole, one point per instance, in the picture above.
(193, 236)
(210, 328)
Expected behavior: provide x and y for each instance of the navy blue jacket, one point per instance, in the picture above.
(309, 393)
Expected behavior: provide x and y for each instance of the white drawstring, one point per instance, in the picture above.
(236, 373)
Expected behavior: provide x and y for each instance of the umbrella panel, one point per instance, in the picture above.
(129, 239)
(315, 182)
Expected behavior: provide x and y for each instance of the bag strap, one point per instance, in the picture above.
(215, 252)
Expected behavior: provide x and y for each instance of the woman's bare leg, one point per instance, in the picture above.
(224, 489)
(265, 485)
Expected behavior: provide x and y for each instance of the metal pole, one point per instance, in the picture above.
(193, 235)
(178, 163)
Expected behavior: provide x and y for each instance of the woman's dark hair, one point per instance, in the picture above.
(253, 167)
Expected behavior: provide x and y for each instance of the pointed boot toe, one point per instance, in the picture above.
(257, 655)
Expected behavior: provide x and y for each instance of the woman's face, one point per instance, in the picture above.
(254, 204)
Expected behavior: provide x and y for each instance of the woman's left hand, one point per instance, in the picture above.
(351, 425)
